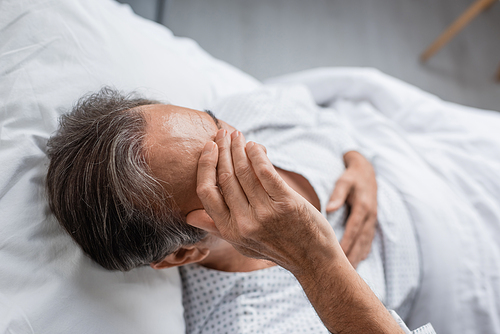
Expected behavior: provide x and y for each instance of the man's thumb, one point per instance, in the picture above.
(339, 196)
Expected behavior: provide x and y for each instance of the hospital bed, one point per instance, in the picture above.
(53, 52)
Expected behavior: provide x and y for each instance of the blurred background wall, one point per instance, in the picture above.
(272, 37)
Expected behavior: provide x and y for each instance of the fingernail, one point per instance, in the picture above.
(209, 147)
(250, 144)
(332, 206)
(235, 134)
(335, 203)
(221, 134)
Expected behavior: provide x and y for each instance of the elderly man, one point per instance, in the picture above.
(135, 182)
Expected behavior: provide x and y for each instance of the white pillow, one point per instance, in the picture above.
(51, 53)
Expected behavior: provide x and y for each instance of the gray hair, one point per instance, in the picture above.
(101, 189)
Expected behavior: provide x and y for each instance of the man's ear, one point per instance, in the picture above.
(182, 256)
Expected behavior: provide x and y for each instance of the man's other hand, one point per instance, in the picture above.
(358, 188)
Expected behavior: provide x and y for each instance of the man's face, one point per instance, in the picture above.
(175, 137)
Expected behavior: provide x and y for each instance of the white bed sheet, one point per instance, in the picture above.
(445, 160)
(51, 53)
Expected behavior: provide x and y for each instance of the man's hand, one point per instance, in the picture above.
(358, 188)
(256, 211)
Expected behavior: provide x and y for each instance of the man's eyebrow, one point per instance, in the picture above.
(216, 121)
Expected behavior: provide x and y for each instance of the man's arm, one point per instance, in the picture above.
(344, 301)
(262, 217)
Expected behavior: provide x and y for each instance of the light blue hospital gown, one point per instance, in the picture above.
(308, 140)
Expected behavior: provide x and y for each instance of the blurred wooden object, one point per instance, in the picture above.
(474, 10)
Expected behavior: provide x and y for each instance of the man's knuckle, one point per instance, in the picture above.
(204, 162)
(243, 170)
(347, 178)
(266, 171)
(223, 147)
(364, 203)
(225, 178)
(204, 190)
(342, 182)
(285, 208)
(249, 233)
(365, 208)
(263, 215)
(355, 223)
(353, 232)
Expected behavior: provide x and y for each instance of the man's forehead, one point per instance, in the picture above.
(174, 137)
(169, 122)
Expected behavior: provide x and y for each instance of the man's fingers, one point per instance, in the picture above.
(353, 226)
(233, 195)
(363, 244)
(207, 188)
(244, 171)
(339, 195)
(273, 184)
